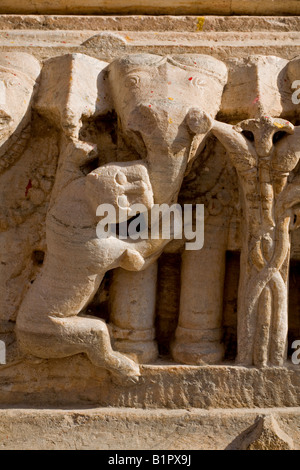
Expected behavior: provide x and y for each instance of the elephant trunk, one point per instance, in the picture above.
(166, 172)
(167, 134)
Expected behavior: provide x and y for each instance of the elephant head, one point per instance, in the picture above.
(159, 102)
(18, 74)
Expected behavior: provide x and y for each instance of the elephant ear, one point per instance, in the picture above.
(73, 87)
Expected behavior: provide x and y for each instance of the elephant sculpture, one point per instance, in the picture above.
(19, 74)
(159, 102)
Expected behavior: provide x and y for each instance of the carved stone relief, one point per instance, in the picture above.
(146, 129)
(28, 167)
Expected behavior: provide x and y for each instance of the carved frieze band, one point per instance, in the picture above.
(145, 129)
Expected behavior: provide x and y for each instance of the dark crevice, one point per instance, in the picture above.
(294, 305)
(231, 283)
(38, 257)
(278, 136)
(249, 135)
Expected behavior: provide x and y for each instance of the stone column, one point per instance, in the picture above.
(133, 300)
(198, 335)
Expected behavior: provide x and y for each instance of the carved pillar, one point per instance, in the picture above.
(264, 158)
(198, 336)
(133, 300)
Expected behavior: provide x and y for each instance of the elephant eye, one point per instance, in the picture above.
(132, 81)
(121, 178)
(197, 82)
(11, 82)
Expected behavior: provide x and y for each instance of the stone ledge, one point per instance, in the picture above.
(129, 429)
(108, 45)
(108, 37)
(75, 381)
(163, 23)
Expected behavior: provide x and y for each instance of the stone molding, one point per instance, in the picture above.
(155, 7)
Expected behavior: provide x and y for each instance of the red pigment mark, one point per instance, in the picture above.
(151, 91)
(29, 186)
(256, 100)
(191, 78)
(149, 105)
(63, 42)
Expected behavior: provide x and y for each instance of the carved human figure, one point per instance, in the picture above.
(158, 118)
(264, 152)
